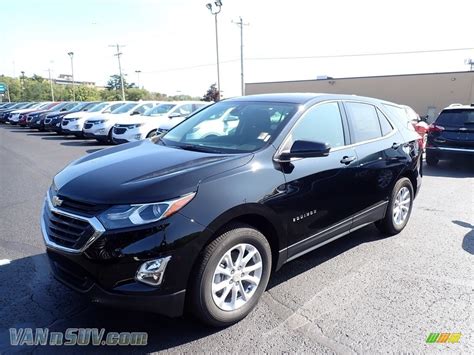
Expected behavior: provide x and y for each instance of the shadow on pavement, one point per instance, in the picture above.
(460, 167)
(468, 241)
(80, 142)
(40, 301)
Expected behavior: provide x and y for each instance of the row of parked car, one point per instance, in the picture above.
(112, 122)
(127, 121)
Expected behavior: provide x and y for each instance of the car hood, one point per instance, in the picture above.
(24, 110)
(141, 172)
(80, 114)
(140, 119)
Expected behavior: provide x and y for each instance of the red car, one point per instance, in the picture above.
(420, 126)
(24, 116)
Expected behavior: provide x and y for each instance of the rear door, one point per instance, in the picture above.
(381, 158)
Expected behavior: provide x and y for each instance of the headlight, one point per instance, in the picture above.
(137, 125)
(122, 216)
(101, 121)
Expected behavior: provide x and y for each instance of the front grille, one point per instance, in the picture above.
(89, 209)
(67, 231)
(88, 125)
(119, 130)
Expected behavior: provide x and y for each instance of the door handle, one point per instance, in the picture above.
(396, 145)
(347, 160)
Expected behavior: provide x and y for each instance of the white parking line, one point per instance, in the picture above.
(4, 262)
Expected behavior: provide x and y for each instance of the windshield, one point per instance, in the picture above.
(112, 107)
(70, 106)
(60, 106)
(85, 106)
(97, 107)
(159, 110)
(124, 108)
(457, 118)
(231, 127)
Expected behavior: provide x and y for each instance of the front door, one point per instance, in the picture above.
(316, 204)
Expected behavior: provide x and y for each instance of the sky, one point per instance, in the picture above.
(172, 42)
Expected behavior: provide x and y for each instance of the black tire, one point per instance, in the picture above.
(151, 134)
(387, 225)
(110, 140)
(201, 301)
(431, 159)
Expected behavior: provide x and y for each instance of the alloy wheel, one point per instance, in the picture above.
(237, 277)
(401, 206)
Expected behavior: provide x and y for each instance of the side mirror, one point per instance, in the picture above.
(306, 149)
(174, 115)
(134, 113)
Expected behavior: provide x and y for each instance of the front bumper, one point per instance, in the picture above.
(138, 297)
(130, 135)
(105, 268)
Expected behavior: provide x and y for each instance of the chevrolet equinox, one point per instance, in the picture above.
(198, 222)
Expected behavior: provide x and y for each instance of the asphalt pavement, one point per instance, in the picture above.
(365, 293)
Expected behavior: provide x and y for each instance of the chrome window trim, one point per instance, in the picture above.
(392, 132)
(93, 221)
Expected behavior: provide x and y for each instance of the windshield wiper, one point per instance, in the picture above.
(197, 148)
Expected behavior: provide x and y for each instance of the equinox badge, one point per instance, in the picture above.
(304, 215)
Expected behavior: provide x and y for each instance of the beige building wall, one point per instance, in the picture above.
(427, 94)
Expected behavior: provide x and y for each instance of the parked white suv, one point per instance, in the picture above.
(145, 126)
(100, 126)
(73, 123)
(219, 124)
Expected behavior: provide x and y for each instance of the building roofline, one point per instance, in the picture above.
(362, 77)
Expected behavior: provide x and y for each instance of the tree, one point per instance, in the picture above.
(115, 83)
(212, 94)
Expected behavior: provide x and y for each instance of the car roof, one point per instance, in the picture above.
(459, 106)
(303, 98)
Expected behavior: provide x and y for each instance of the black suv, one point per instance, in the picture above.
(202, 215)
(452, 134)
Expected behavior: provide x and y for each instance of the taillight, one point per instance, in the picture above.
(435, 128)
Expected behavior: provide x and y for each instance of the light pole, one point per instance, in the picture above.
(138, 77)
(51, 81)
(215, 10)
(118, 54)
(71, 55)
(22, 80)
(241, 24)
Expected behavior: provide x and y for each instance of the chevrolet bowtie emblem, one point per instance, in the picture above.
(57, 201)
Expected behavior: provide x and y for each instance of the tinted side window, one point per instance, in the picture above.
(364, 121)
(384, 123)
(322, 123)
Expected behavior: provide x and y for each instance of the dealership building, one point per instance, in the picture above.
(426, 93)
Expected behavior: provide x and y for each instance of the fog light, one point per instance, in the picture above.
(101, 131)
(75, 126)
(152, 271)
(138, 136)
